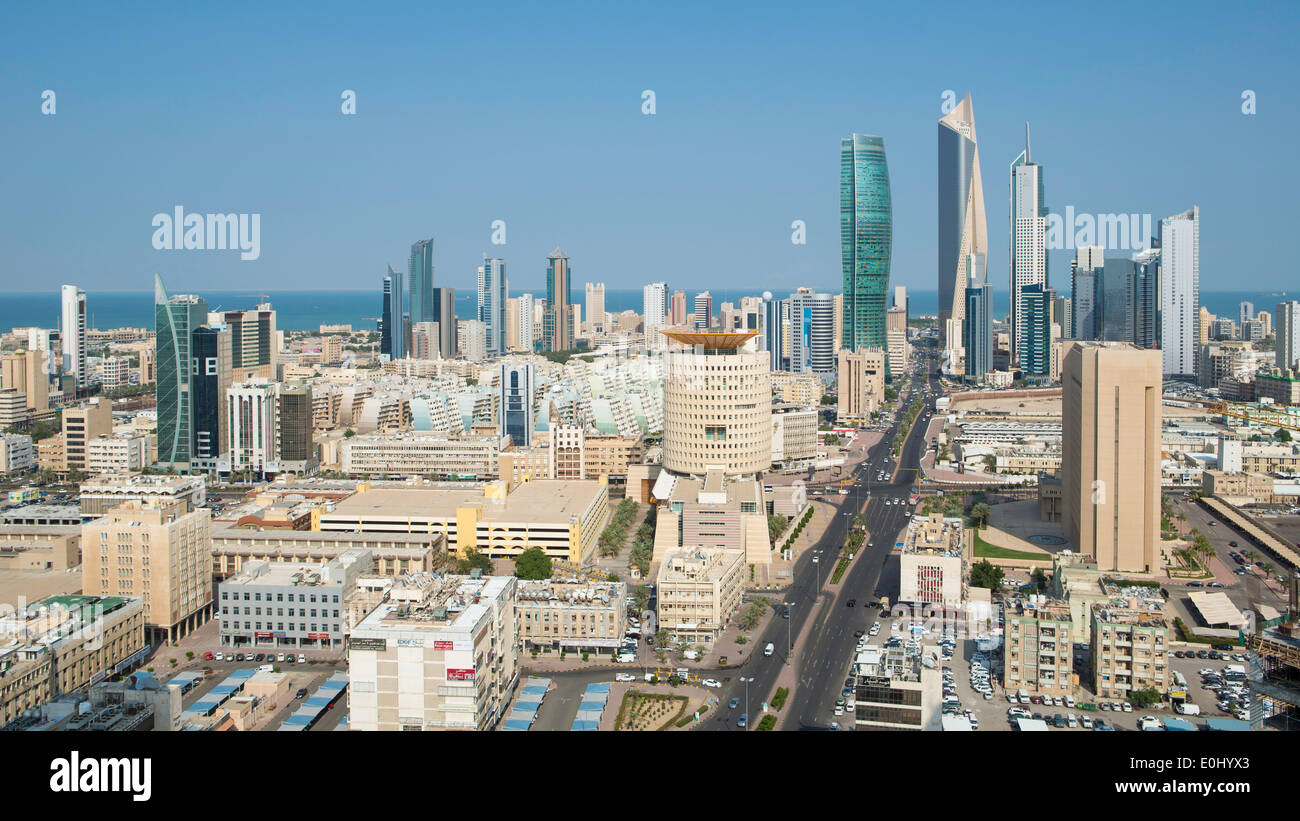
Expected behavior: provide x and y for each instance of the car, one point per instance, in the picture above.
(857, 634)
(711, 682)
(1087, 722)
(722, 661)
(624, 677)
(1195, 584)
(260, 657)
(1128, 708)
(1103, 705)
(1072, 720)
(731, 705)
(301, 694)
(817, 559)
(851, 603)
(1232, 544)
(239, 657)
(1215, 584)
(1149, 724)
(218, 656)
(769, 649)
(1058, 721)
(743, 721)
(208, 656)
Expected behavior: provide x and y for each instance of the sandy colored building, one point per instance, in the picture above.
(861, 383)
(1130, 647)
(157, 551)
(394, 553)
(1038, 648)
(100, 494)
(1110, 461)
(931, 567)
(27, 372)
(80, 426)
(699, 589)
(39, 547)
(573, 616)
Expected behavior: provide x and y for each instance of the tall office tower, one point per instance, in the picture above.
(175, 320)
(963, 228)
(1204, 320)
(1286, 353)
(295, 450)
(527, 334)
(515, 392)
(392, 334)
(512, 323)
(1084, 273)
(1028, 238)
(1063, 315)
(173, 573)
(557, 324)
(595, 307)
(703, 311)
(717, 404)
(1245, 312)
(772, 332)
(1180, 291)
(73, 333)
(419, 283)
(472, 336)
(677, 315)
(575, 321)
(386, 317)
(866, 240)
(1110, 458)
(444, 313)
(253, 340)
(28, 373)
(812, 348)
(837, 322)
(977, 328)
(1265, 319)
(211, 349)
(1146, 298)
(425, 340)
(82, 425)
(251, 409)
(1035, 330)
(654, 304)
(900, 298)
(1115, 308)
(896, 335)
(492, 303)
(860, 383)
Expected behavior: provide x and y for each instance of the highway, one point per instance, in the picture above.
(824, 661)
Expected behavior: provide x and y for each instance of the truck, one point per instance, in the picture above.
(1189, 709)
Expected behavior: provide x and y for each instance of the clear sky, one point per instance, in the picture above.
(531, 113)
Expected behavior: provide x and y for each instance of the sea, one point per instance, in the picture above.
(308, 310)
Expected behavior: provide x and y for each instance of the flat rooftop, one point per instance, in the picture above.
(544, 500)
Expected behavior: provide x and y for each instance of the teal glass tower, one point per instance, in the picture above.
(175, 320)
(866, 240)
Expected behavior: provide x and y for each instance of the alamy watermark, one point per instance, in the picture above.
(1117, 232)
(208, 232)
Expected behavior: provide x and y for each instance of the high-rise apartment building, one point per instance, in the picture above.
(1110, 459)
(1286, 353)
(1036, 330)
(703, 311)
(773, 327)
(251, 412)
(812, 336)
(492, 290)
(861, 388)
(1089, 260)
(28, 373)
(866, 240)
(419, 283)
(253, 345)
(512, 323)
(557, 325)
(444, 313)
(83, 424)
(678, 308)
(515, 392)
(1028, 246)
(1180, 291)
(73, 333)
(1245, 312)
(176, 318)
(1146, 298)
(655, 307)
(977, 328)
(293, 426)
(963, 228)
(595, 307)
(527, 335)
(472, 336)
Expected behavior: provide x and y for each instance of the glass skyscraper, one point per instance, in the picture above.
(419, 282)
(1036, 330)
(866, 240)
(977, 327)
(557, 322)
(492, 303)
(1028, 245)
(963, 228)
(175, 320)
(516, 387)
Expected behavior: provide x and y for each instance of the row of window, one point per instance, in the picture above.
(302, 597)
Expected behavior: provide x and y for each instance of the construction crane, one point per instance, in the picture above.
(1275, 416)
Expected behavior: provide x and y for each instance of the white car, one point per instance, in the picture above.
(217, 656)
(302, 658)
(711, 682)
(626, 658)
(1128, 708)
(625, 677)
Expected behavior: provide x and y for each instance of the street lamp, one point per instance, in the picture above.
(747, 681)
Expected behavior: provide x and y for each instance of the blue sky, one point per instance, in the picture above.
(531, 113)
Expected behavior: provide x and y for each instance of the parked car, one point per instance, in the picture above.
(302, 693)
(625, 677)
(711, 682)
(302, 658)
(208, 656)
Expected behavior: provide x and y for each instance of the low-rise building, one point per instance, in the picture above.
(440, 654)
(895, 689)
(698, 590)
(1130, 646)
(17, 454)
(118, 453)
(422, 454)
(574, 616)
(100, 494)
(1038, 646)
(931, 567)
(794, 436)
(393, 553)
(40, 547)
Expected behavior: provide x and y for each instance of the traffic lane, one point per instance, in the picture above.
(1251, 587)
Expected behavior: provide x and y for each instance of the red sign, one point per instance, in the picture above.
(442, 645)
(318, 635)
(455, 674)
(263, 635)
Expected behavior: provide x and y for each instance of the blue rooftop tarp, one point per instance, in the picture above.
(585, 726)
(598, 688)
(516, 725)
(593, 706)
(185, 678)
(1179, 724)
(1230, 725)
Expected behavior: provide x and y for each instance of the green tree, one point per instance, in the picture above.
(775, 524)
(980, 512)
(1145, 697)
(1283, 435)
(474, 560)
(985, 574)
(533, 563)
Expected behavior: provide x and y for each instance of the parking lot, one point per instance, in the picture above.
(306, 677)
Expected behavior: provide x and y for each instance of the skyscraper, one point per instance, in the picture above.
(444, 313)
(557, 325)
(977, 328)
(253, 345)
(492, 303)
(73, 333)
(963, 228)
(1036, 330)
(516, 388)
(655, 304)
(211, 378)
(1286, 353)
(772, 332)
(393, 337)
(866, 241)
(386, 317)
(527, 334)
(175, 320)
(1116, 306)
(1110, 456)
(1089, 260)
(595, 307)
(1028, 244)
(812, 336)
(1180, 291)
(678, 314)
(419, 282)
(1245, 312)
(1146, 298)
(703, 310)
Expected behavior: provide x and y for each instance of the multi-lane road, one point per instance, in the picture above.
(823, 656)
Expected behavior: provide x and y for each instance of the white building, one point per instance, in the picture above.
(473, 340)
(1028, 237)
(251, 410)
(595, 307)
(114, 371)
(119, 453)
(1180, 291)
(655, 304)
(17, 455)
(1287, 351)
(492, 305)
(73, 333)
(526, 321)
